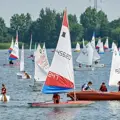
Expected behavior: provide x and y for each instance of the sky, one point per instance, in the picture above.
(10, 7)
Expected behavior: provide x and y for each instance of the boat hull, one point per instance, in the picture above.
(83, 68)
(15, 64)
(76, 50)
(21, 75)
(1, 98)
(68, 104)
(94, 95)
(98, 65)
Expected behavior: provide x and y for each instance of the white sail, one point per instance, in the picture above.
(115, 68)
(106, 46)
(77, 49)
(93, 40)
(101, 49)
(43, 60)
(98, 44)
(96, 56)
(15, 52)
(86, 55)
(22, 59)
(83, 43)
(12, 44)
(61, 73)
(30, 42)
(113, 45)
(40, 74)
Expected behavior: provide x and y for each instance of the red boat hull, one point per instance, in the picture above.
(61, 104)
(94, 95)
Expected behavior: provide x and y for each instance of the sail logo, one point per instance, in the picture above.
(117, 71)
(63, 54)
(63, 34)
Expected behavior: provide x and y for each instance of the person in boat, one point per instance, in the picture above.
(3, 92)
(119, 86)
(80, 65)
(56, 98)
(87, 86)
(26, 74)
(96, 62)
(103, 87)
(11, 62)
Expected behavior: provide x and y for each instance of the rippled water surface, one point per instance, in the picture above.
(21, 94)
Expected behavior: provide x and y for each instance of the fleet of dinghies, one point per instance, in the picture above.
(59, 76)
(113, 81)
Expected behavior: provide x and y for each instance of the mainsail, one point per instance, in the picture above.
(86, 55)
(115, 68)
(22, 59)
(60, 77)
(15, 52)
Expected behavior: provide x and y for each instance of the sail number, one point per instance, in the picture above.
(63, 54)
(117, 71)
(53, 75)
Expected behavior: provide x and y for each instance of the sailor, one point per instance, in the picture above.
(80, 65)
(119, 86)
(11, 62)
(26, 74)
(103, 87)
(3, 92)
(96, 62)
(87, 86)
(56, 98)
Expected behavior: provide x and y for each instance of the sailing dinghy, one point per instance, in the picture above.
(113, 81)
(85, 58)
(14, 55)
(60, 78)
(21, 74)
(101, 49)
(77, 49)
(2, 98)
(96, 59)
(106, 46)
(41, 68)
(98, 44)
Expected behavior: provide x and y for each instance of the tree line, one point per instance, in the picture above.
(46, 27)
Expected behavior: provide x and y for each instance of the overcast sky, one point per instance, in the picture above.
(10, 7)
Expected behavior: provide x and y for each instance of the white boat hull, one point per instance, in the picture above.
(84, 68)
(98, 65)
(22, 76)
(1, 98)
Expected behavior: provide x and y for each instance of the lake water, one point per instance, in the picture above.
(21, 94)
